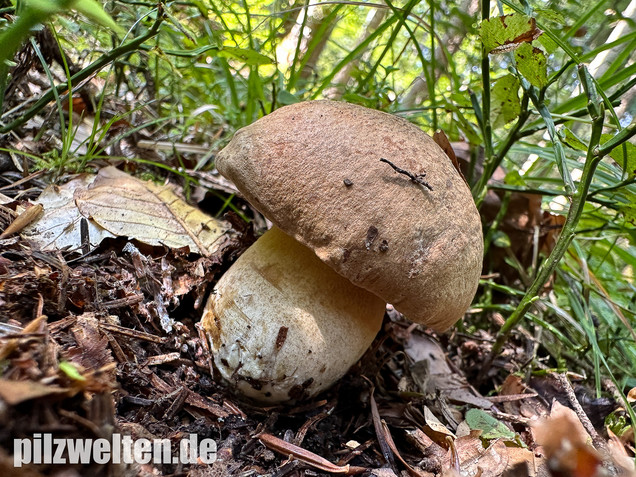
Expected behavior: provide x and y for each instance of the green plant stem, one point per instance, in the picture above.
(621, 137)
(559, 152)
(569, 228)
(85, 73)
(605, 190)
(548, 267)
(431, 4)
(480, 191)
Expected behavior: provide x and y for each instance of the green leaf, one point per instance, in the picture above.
(618, 154)
(284, 97)
(71, 371)
(507, 32)
(505, 105)
(92, 10)
(532, 64)
(491, 428)
(551, 15)
(514, 178)
(249, 57)
(501, 239)
(548, 43)
(571, 139)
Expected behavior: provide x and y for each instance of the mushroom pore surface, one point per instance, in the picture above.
(283, 325)
(314, 170)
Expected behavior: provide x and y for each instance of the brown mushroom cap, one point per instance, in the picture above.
(314, 170)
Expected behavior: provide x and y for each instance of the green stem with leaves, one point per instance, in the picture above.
(578, 199)
(485, 106)
(480, 189)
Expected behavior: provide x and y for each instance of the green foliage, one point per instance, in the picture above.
(625, 156)
(491, 428)
(531, 63)
(506, 31)
(93, 10)
(505, 100)
(31, 13)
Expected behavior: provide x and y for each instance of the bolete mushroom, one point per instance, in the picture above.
(351, 233)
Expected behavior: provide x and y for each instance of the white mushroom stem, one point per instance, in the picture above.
(283, 325)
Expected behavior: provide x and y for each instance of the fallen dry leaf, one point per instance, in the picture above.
(26, 217)
(564, 442)
(617, 451)
(288, 449)
(475, 460)
(435, 429)
(115, 204)
(15, 392)
(59, 227)
(432, 374)
(524, 463)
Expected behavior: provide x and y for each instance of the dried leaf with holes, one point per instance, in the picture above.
(116, 204)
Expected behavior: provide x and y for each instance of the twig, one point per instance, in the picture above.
(417, 178)
(305, 456)
(580, 413)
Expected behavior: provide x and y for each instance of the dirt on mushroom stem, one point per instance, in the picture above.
(283, 325)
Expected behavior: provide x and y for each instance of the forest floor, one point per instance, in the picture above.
(96, 341)
(86, 352)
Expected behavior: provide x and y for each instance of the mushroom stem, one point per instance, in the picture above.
(283, 325)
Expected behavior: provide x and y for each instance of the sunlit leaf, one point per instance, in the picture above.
(506, 33)
(531, 63)
(249, 57)
(618, 154)
(93, 10)
(548, 43)
(514, 178)
(505, 100)
(550, 14)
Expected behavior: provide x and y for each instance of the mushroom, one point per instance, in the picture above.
(351, 233)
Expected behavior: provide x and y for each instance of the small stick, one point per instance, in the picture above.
(417, 178)
(598, 442)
